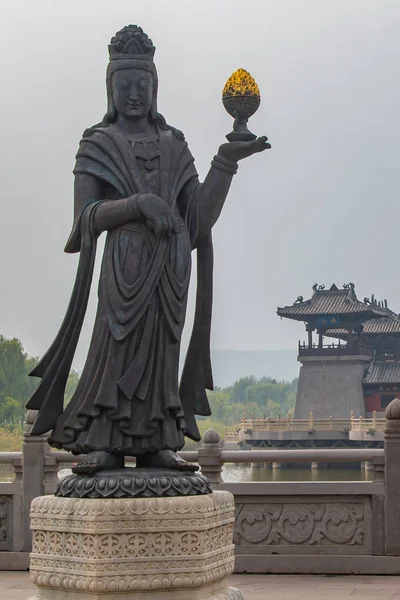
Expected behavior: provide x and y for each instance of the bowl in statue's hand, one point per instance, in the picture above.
(240, 105)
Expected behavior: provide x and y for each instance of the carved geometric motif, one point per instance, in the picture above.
(138, 545)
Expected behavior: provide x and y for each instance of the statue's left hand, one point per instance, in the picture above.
(236, 151)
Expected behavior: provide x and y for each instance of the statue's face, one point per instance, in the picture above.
(132, 91)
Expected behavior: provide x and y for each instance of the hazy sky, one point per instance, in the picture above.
(321, 206)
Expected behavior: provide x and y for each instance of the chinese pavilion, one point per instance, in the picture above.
(360, 372)
(382, 381)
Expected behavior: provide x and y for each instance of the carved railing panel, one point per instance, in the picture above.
(304, 526)
(5, 523)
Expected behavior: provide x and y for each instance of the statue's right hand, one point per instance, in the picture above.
(157, 214)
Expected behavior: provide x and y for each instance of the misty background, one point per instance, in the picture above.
(320, 206)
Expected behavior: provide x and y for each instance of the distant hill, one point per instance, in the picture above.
(230, 365)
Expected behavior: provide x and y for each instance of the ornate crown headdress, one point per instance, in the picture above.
(131, 42)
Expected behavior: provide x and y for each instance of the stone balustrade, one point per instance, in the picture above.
(337, 527)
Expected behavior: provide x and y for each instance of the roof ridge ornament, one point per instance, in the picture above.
(374, 302)
(317, 287)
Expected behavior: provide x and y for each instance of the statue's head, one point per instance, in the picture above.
(132, 82)
(131, 76)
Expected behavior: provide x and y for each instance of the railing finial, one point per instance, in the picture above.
(392, 412)
(211, 436)
(30, 418)
(210, 456)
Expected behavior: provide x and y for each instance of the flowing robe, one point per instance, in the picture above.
(127, 400)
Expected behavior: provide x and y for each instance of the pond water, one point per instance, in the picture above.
(237, 473)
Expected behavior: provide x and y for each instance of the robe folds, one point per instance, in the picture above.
(128, 399)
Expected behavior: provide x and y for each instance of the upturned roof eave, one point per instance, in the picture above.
(372, 312)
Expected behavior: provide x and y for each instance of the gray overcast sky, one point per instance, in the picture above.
(321, 206)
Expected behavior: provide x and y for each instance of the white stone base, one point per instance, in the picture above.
(207, 593)
(133, 548)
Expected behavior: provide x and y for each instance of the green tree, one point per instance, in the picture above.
(265, 396)
(12, 365)
(240, 386)
(9, 411)
(72, 383)
(16, 387)
(273, 409)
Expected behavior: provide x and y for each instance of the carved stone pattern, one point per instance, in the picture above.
(49, 506)
(334, 524)
(74, 525)
(132, 583)
(124, 545)
(74, 515)
(93, 568)
(121, 545)
(3, 519)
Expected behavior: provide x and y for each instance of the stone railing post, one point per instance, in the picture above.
(210, 456)
(50, 474)
(392, 478)
(33, 449)
(378, 465)
(17, 531)
(378, 509)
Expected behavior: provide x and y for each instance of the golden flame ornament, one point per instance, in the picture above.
(241, 83)
(241, 99)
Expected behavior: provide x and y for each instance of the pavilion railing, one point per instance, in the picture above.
(335, 350)
(231, 436)
(270, 424)
(288, 424)
(362, 424)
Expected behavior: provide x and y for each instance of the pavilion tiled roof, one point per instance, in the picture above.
(381, 373)
(333, 301)
(386, 325)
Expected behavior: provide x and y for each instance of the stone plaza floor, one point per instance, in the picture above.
(17, 586)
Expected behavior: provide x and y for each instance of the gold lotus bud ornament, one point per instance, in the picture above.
(241, 98)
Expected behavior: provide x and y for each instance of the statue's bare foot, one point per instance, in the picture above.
(164, 459)
(99, 461)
